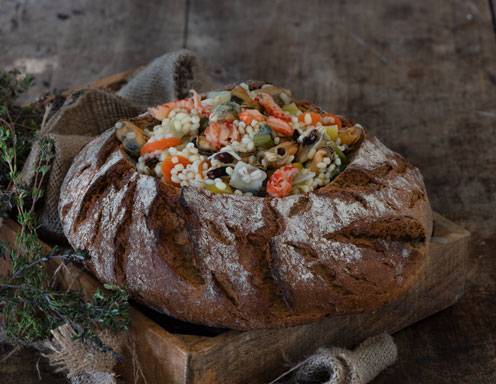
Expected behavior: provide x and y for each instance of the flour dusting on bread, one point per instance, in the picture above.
(241, 261)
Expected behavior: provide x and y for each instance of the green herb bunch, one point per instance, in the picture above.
(30, 303)
(26, 118)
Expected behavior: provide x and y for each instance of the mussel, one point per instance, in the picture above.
(311, 141)
(225, 157)
(242, 94)
(131, 136)
(281, 154)
(228, 111)
(204, 147)
(351, 135)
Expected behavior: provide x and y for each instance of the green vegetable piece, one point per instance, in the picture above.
(264, 137)
(263, 141)
(212, 188)
(331, 132)
(292, 109)
(338, 151)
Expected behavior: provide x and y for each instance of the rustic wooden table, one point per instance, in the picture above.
(420, 74)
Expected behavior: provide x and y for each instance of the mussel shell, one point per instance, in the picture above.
(204, 147)
(131, 136)
(310, 143)
(280, 154)
(225, 112)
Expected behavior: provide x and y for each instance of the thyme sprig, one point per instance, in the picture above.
(31, 306)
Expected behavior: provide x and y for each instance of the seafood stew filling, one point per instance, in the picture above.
(246, 141)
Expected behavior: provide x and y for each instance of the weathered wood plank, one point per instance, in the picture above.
(74, 42)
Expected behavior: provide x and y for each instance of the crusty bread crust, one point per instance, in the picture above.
(250, 262)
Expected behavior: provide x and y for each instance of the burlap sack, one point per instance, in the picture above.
(342, 366)
(168, 77)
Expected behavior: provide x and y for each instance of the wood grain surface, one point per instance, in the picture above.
(420, 74)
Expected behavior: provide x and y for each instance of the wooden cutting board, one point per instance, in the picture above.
(174, 352)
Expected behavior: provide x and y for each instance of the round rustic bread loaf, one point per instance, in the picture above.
(248, 262)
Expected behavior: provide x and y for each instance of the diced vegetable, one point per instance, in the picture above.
(331, 132)
(331, 119)
(263, 141)
(160, 145)
(214, 189)
(168, 164)
(309, 118)
(338, 151)
(264, 137)
(292, 109)
(298, 165)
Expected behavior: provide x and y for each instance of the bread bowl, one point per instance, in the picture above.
(252, 255)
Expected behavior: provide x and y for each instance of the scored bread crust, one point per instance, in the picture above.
(247, 262)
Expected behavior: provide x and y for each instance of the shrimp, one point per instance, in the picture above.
(161, 112)
(221, 133)
(281, 127)
(271, 106)
(248, 115)
(281, 181)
